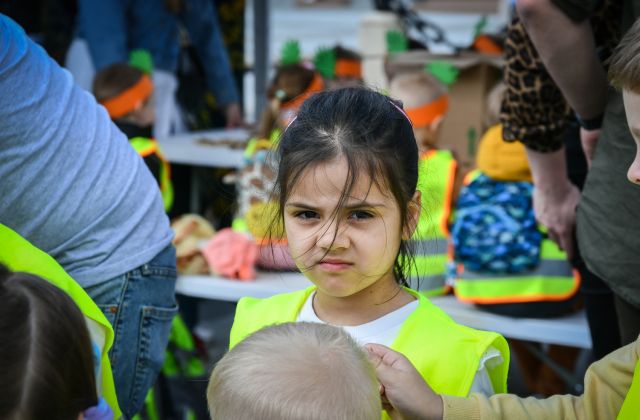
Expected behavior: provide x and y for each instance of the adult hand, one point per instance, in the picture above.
(233, 115)
(555, 208)
(589, 140)
(405, 395)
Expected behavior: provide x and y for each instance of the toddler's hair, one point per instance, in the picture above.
(415, 89)
(46, 363)
(295, 371)
(115, 79)
(346, 54)
(374, 137)
(624, 64)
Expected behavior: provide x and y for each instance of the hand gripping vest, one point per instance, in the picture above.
(436, 176)
(552, 280)
(19, 255)
(446, 354)
(146, 147)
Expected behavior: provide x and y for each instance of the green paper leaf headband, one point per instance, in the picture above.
(141, 59)
(290, 53)
(445, 72)
(325, 62)
(480, 26)
(396, 42)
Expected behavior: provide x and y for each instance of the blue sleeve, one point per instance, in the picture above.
(103, 25)
(202, 23)
(71, 183)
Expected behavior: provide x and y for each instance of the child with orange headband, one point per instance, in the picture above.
(127, 94)
(340, 67)
(426, 101)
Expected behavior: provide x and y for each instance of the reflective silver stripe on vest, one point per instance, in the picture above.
(436, 246)
(423, 283)
(546, 268)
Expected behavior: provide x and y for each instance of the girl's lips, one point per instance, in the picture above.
(334, 265)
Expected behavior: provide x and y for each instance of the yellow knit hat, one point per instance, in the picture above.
(500, 160)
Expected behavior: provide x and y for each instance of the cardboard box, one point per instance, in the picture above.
(465, 121)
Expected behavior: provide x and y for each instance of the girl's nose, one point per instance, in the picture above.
(634, 170)
(332, 236)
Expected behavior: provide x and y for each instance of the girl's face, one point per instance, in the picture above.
(349, 252)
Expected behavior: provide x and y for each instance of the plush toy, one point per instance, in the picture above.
(191, 231)
(232, 254)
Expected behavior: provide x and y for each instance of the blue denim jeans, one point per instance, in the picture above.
(140, 305)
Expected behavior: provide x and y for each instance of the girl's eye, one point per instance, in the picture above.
(306, 214)
(361, 215)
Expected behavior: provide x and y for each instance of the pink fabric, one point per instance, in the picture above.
(232, 254)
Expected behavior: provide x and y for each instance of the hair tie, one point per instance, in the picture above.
(100, 411)
(402, 111)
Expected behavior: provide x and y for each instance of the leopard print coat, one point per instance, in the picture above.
(534, 110)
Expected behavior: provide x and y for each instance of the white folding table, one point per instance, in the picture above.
(188, 149)
(570, 330)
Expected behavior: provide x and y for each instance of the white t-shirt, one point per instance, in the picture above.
(385, 329)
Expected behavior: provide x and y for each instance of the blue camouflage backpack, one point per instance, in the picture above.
(494, 229)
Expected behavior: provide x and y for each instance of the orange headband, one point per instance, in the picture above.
(427, 114)
(315, 86)
(486, 45)
(130, 99)
(348, 68)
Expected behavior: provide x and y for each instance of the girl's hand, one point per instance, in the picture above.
(405, 395)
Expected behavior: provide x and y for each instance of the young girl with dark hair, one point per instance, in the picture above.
(46, 359)
(346, 193)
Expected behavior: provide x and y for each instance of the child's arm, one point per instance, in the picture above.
(606, 385)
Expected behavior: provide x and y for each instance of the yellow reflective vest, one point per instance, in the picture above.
(631, 405)
(554, 279)
(20, 255)
(146, 147)
(436, 177)
(446, 354)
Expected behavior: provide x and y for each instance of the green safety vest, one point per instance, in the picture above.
(20, 255)
(146, 147)
(631, 405)
(436, 177)
(552, 280)
(446, 354)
